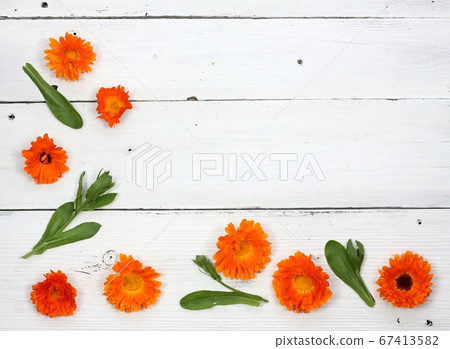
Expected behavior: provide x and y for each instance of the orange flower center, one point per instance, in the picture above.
(303, 283)
(45, 158)
(114, 105)
(404, 282)
(54, 293)
(244, 248)
(71, 55)
(132, 282)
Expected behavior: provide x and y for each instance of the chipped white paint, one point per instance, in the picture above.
(170, 250)
(229, 8)
(240, 59)
(376, 120)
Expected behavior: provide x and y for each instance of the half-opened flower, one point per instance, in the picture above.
(112, 103)
(54, 296)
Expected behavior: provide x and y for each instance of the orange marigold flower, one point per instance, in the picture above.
(406, 281)
(242, 252)
(70, 56)
(54, 296)
(45, 162)
(133, 287)
(301, 285)
(112, 103)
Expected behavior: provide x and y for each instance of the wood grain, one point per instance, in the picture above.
(169, 240)
(372, 153)
(246, 59)
(373, 97)
(230, 8)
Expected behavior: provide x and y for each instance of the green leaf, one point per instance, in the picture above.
(54, 234)
(102, 201)
(61, 108)
(207, 299)
(344, 268)
(80, 232)
(79, 197)
(58, 220)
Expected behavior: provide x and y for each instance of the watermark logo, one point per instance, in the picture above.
(148, 166)
(244, 166)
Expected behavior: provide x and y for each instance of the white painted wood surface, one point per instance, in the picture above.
(243, 59)
(230, 8)
(169, 240)
(372, 153)
(373, 108)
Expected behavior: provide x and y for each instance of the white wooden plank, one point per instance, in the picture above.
(229, 59)
(232, 8)
(372, 153)
(179, 236)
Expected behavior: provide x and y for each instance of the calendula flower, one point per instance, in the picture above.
(133, 287)
(242, 252)
(70, 56)
(112, 103)
(54, 296)
(406, 281)
(45, 162)
(301, 285)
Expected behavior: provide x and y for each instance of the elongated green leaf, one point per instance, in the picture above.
(102, 201)
(207, 299)
(58, 220)
(61, 108)
(79, 197)
(80, 232)
(339, 262)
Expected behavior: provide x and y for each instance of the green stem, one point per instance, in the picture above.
(249, 295)
(25, 256)
(365, 295)
(40, 244)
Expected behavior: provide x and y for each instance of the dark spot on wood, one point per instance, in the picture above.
(398, 320)
(300, 61)
(429, 323)
(11, 117)
(192, 98)
(55, 87)
(44, 4)
(419, 221)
